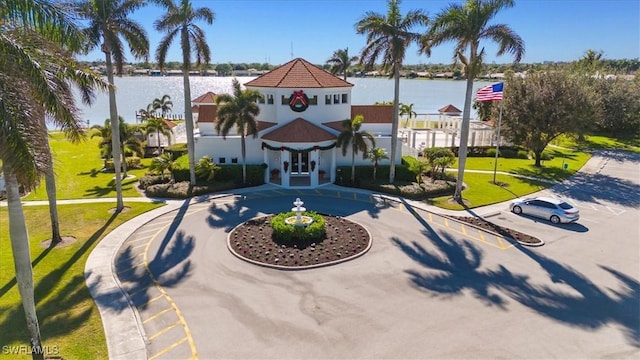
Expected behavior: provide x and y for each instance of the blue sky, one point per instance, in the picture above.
(271, 30)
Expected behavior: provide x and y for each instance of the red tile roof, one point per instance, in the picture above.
(449, 109)
(298, 73)
(206, 98)
(373, 114)
(299, 131)
(170, 123)
(207, 113)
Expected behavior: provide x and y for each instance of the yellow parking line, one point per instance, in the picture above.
(164, 330)
(338, 193)
(128, 241)
(318, 192)
(169, 348)
(430, 216)
(355, 196)
(151, 300)
(157, 315)
(464, 229)
(481, 235)
(139, 246)
(446, 222)
(500, 241)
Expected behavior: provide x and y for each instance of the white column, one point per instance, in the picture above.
(333, 165)
(313, 156)
(265, 157)
(284, 176)
(433, 139)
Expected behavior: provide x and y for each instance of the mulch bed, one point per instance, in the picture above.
(507, 232)
(344, 240)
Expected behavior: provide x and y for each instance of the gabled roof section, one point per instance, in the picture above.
(298, 73)
(449, 109)
(263, 125)
(299, 131)
(373, 114)
(207, 113)
(206, 98)
(170, 123)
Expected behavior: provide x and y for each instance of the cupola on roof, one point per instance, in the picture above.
(298, 73)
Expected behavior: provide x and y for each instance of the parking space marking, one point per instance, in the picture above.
(157, 315)
(164, 330)
(616, 211)
(169, 348)
(151, 300)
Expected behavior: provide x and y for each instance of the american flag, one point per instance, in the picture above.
(490, 93)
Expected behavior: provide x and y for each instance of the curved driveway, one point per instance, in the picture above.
(429, 287)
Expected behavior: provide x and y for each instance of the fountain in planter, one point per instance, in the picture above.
(299, 219)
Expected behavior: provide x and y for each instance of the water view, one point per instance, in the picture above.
(135, 93)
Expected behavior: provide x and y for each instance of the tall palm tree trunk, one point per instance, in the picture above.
(124, 162)
(115, 132)
(22, 258)
(244, 158)
(464, 136)
(52, 196)
(188, 115)
(394, 123)
(50, 186)
(353, 163)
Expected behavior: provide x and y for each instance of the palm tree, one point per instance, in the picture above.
(389, 37)
(164, 104)
(377, 154)
(239, 110)
(129, 143)
(158, 126)
(162, 163)
(408, 111)
(105, 145)
(32, 86)
(351, 135)
(149, 112)
(180, 21)
(341, 62)
(108, 22)
(206, 168)
(467, 25)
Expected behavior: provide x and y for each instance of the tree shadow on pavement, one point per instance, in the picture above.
(450, 267)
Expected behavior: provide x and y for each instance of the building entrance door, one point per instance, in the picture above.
(300, 163)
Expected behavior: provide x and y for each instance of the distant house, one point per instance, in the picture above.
(299, 122)
(450, 110)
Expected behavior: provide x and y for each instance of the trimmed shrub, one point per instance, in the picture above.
(133, 162)
(366, 172)
(523, 154)
(289, 234)
(177, 150)
(546, 155)
(491, 152)
(182, 190)
(151, 179)
(508, 153)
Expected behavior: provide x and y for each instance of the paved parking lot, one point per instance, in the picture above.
(428, 288)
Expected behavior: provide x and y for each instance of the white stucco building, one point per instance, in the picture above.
(299, 121)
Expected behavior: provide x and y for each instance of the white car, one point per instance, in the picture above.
(554, 210)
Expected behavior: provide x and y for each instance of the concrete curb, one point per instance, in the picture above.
(120, 319)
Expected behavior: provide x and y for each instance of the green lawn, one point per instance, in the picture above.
(69, 318)
(77, 168)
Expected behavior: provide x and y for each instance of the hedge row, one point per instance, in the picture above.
(231, 172)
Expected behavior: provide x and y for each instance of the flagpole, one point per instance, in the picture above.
(495, 165)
